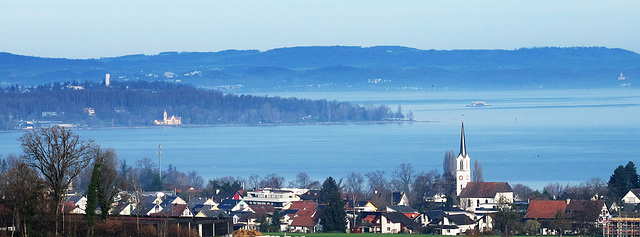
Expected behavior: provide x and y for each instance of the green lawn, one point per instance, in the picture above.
(353, 235)
(344, 235)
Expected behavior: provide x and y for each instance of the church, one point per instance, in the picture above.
(173, 120)
(477, 197)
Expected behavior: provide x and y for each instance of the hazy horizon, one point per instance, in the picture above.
(78, 29)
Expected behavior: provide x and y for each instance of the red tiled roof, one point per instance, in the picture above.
(544, 209)
(369, 218)
(411, 215)
(305, 221)
(484, 189)
(305, 208)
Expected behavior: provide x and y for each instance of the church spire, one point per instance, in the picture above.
(463, 146)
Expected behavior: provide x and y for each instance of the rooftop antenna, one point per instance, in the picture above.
(160, 159)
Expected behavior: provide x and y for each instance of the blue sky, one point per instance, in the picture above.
(93, 29)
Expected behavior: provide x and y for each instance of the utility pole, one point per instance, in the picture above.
(160, 159)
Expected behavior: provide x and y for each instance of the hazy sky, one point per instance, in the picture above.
(92, 29)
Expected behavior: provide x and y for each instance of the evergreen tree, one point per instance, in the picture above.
(618, 183)
(333, 215)
(156, 183)
(4, 166)
(92, 195)
(632, 175)
(275, 219)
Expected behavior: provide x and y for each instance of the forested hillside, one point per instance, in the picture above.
(140, 103)
(338, 68)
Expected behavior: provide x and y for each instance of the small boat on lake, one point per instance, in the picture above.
(478, 104)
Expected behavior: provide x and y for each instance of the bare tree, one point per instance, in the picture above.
(449, 163)
(272, 181)
(377, 181)
(353, 186)
(196, 180)
(59, 155)
(477, 172)
(302, 181)
(555, 190)
(403, 177)
(425, 185)
(254, 181)
(522, 192)
(23, 191)
(133, 182)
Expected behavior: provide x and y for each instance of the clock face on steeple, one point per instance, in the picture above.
(467, 177)
(460, 177)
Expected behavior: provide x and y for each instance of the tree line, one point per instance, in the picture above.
(139, 103)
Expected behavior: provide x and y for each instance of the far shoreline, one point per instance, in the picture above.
(239, 125)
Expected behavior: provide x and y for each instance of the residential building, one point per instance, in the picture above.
(280, 199)
(632, 197)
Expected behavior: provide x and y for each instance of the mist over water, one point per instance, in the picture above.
(531, 136)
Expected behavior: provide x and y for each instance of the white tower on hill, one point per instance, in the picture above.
(463, 166)
(106, 79)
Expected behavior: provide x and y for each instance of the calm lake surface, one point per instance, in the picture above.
(533, 137)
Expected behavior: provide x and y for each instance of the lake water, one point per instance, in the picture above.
(533, 137)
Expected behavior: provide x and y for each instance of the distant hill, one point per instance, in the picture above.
(344, 68)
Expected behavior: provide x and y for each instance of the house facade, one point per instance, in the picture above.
(485, 195)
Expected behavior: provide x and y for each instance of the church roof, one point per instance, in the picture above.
(485, 189)
(545, 209)
(463, 145)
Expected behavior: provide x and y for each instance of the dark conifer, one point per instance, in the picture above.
(333, 215)
(92, 195)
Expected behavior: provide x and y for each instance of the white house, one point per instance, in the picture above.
(632, 197)
(280, 199)
(485, 195)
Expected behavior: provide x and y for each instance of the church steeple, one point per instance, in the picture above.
(463, 163)
(463, 145)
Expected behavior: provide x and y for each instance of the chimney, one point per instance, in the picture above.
(568, 201)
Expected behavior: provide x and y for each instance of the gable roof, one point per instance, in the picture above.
(173, 210)
(587, 209)
(401, 208)
(212, 213)
(262, 209)
(75, 198)
(68, 206)
(228, 204)
(636, 192)
(221, 196)
(310, 195)
(304, 208)
(460, 219)
(484, 189)
(303, 221)
(397, 217)
(396, 197)
(545, 209)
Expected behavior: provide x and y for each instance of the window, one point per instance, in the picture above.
(461, 165)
